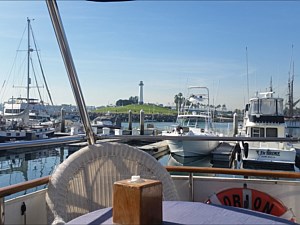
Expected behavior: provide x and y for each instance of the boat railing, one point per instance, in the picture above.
(187, 170)
(202, 138)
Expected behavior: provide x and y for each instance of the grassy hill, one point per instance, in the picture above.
(135, 109)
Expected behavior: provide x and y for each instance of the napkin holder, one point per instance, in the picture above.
(137, 201)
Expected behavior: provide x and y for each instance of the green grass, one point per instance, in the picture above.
(135, 109)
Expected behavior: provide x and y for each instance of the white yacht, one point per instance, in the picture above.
(264, 118)
(194, 119)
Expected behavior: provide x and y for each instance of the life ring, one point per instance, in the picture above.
(252, 199)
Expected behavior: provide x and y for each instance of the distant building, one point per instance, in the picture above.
(141, 99)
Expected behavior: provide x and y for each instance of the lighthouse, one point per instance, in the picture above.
(141, 100)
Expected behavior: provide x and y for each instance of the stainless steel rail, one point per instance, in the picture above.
(70, 67)
(40, 143)
(197, 138)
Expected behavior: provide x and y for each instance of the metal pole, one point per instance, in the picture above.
(2, 211)
(70, 67)
(191, 186)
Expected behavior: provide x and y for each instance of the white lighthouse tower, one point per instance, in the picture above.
(141, 100)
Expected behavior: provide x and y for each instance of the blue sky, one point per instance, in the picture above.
(169, 45)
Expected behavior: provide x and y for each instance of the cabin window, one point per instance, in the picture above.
(268, 107)
(254, 107)
(14, 110)
(271, 132)
(192, 122)
(257, 132)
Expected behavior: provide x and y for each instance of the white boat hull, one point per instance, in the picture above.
(271, 155)
(191, 148)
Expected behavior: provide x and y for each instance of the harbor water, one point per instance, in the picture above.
(21, 165)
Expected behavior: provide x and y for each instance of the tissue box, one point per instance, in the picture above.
(137, 202)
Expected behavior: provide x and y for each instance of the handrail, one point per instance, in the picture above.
(200, 138)
(15, 188)
(243, 172)
(41, 142)
(12, 189)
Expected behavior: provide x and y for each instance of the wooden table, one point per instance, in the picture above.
(180, 212)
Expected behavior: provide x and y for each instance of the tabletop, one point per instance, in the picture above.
(181, 212)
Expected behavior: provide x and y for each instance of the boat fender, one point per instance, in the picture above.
(23, 209)
(246, 149)
(179, 129)
(237, 151)
(252, 199)
(234, 151)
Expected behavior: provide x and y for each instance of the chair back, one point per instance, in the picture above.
(84, 181)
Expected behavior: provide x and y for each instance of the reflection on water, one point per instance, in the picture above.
(17, 166)
(200, 161)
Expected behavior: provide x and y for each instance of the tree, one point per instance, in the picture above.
(178, 99)
(130, 101)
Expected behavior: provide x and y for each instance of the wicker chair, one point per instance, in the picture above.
(84, 181)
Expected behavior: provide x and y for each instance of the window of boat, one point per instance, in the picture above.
(271, 132)
(268, 106)
(257, 132)
(192, 122)
(254, 107)
(13, 111)
(279, 106)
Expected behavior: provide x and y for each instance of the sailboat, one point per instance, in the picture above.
(26, 118)
(291, 120)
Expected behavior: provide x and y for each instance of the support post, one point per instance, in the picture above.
(2, 211)
(130, 122)
(142, 124)
(235, 125)
(191, 186)
(63, 121)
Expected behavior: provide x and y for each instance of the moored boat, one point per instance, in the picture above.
(26, 118)
(264, 118)
(194, 119)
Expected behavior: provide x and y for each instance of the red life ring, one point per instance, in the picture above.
(252, 199)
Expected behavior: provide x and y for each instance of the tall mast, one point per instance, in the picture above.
(28, 59)
(292, 93)
(290, 87)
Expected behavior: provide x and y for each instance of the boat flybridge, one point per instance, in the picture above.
(228, 196)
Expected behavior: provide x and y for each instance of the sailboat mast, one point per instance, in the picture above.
(28, 59)
(292, 94)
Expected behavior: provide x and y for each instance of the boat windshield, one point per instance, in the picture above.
(267, 106)
(196, 122)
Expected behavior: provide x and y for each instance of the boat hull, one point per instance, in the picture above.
(191, 148)
(271, 155)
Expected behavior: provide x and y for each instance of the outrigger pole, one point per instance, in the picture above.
(70, 67)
